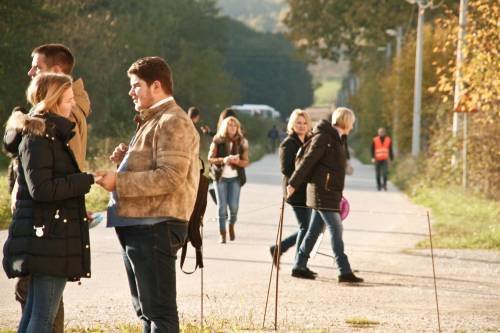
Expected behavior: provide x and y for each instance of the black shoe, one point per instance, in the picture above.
(312, 272)
(272, 250)
(349, 278)
(303, 273)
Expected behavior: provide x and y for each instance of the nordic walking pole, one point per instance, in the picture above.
(278, 248)
(434, 271)
(201, 280)
(271, 275)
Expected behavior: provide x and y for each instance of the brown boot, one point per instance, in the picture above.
(231, 232)
(222, 238)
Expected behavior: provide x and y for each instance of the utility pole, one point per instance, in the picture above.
(417, 97)
(398, 33)
(458, 76)
(462, 22)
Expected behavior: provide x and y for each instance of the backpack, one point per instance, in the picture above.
(195, 222)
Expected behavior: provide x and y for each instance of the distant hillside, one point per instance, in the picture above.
(261, 15)
(266, 16)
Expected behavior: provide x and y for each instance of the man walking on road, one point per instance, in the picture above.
(153, 193)
(381, 153)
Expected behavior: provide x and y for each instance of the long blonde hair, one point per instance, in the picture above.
(222, 130)
(293, 119)
(46, 90)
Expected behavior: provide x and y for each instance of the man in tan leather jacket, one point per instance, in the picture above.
(153, 193)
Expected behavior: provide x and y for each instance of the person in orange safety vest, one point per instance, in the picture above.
(381, 153)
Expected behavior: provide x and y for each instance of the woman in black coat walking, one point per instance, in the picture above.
(48, 238)
(323, 168)
(298, 129)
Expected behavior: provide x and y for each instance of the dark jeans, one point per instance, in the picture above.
(149, 253)
(381, 168)
(303, 216)
(318, 220)
(22, 286)
(273, 144)
(44, 295)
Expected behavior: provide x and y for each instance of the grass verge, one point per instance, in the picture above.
(361, 322)
(326, 93)
(212, 325)
(5, 214)
(461, 220)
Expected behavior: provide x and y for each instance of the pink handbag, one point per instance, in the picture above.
(344, 208)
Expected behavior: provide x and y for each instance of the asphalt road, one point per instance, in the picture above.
(380, 234)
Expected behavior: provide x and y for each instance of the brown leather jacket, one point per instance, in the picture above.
(162, 172)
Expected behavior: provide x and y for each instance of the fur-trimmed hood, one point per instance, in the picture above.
(26, 124)
(48, 125)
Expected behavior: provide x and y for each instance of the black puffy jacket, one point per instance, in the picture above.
(288, 151)
(323, 166)
(49, 232)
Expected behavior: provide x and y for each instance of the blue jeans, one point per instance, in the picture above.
(303, 216)
(227, 192)
(149, 253)
(334, 223)
(44, 296)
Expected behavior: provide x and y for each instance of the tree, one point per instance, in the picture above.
(482, 87)
(333, 29)
(268, 67)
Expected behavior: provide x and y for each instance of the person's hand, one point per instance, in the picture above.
(89, 216)
(107, 179)
(235, 159)
(205, 129)
(373, 160)
(119, 153)
(289, 191)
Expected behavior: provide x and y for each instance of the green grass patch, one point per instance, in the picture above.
(326, 93)
(5, 214)
(461, 220)
(361, 322)
(97, 199)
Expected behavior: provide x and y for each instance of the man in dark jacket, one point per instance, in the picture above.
(273, 136)
(323, 168)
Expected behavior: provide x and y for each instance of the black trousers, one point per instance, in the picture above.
(381, 170)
